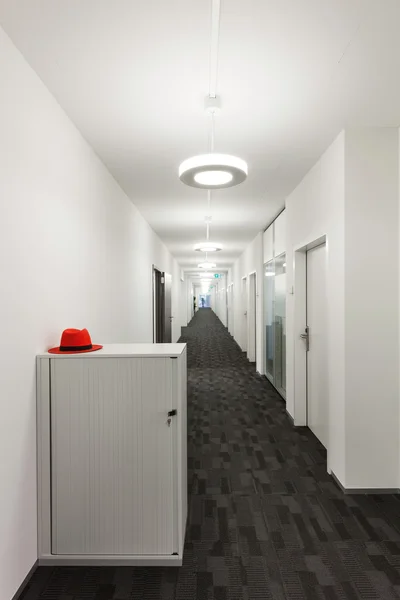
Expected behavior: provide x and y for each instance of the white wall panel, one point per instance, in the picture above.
(372, 307)
(314, 209)
(280, 234)
(268, 244)
(351, 197)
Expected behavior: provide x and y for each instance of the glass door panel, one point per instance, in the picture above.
(275, 322)
(280, 323)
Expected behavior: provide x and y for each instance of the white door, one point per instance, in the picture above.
(251, 350)
(113, 485)
(244, 314)
(317, 396)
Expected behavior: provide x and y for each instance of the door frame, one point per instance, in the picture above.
(154, 302)
(230, 307)
(252, 306)
(167, 307)
(244, 302)
(299, 325)
(325, 443)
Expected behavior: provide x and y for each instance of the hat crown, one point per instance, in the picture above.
(75, 338)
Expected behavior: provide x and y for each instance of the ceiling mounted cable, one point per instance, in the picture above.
(213, 170)
(208, 246)
(214, 47)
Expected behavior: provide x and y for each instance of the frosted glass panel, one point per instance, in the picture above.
(275, 322)
(280, 323)
(269, 274)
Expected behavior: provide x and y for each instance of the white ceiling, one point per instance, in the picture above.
(133, 76)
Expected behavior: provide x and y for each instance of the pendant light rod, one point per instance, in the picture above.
(208, 215)
(215, 26)
(212, 136)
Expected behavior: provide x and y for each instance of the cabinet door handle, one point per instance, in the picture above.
(173, 413)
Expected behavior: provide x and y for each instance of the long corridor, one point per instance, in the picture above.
(265, 518)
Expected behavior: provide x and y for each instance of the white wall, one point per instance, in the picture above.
(251, 260)
(351, 197)
(372, 307)
(315, 209)
(221, 306)
(74, 252)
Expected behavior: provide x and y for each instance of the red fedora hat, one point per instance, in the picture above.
(75, 341)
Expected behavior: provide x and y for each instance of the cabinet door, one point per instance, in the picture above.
(112, 463)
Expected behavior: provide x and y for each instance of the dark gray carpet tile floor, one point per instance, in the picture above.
(266, 521)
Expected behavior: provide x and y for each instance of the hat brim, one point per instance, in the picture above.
(58, 351)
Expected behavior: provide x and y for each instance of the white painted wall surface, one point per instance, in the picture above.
(351, 196)
(279, 226)
(74, 252)
(372, 307)
(250, 260)
(268, 244)
(221, 301)
(316, 208)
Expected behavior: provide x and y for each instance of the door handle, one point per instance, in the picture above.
(306, 336)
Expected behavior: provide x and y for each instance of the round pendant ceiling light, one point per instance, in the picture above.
(213, 171)
(207, 265)
(208, 247)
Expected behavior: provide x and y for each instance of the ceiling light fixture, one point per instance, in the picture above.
(207, 265)
(213, 171)
(208, 247)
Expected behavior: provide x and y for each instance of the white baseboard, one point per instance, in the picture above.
(174, 560)
(353, 491)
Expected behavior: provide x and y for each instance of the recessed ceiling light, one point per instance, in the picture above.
(208, 247)
(269, 274)
(207, 265)
(213, 171)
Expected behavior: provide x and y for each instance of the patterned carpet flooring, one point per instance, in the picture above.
(266, 520)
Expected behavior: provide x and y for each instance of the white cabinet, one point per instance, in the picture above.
(112, 462)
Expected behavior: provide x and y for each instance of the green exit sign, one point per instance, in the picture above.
(217, 275)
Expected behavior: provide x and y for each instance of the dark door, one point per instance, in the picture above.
(158, 304)
(167, 308)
